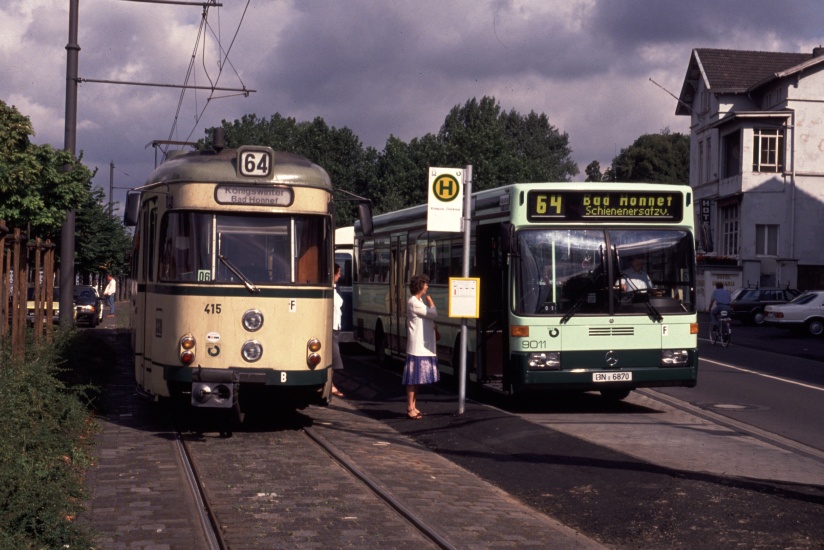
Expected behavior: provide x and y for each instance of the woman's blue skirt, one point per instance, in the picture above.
(420, 370)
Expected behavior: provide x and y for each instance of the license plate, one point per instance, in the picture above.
(612, 377)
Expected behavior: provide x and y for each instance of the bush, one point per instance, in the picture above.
(45, 435)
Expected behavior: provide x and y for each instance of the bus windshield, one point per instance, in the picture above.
(604, 271)
(264, 249)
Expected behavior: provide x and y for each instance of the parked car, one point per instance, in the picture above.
(804, 312)
(88, 305)
(749, 305)
(54, 313)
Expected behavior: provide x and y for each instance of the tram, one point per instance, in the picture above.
(231, 283)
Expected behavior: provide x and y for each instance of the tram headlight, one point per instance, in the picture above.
(252, 320)
(252, 351)
(674, 357)
(549, 360)
(187, 349)
(313, 358)
(313, 345)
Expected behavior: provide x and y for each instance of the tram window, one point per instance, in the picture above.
(184, 251)
(313, 238)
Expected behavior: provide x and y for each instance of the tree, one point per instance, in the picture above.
(662, 158)
(593, 171)
(505, 148)
(103, 243)
(502, 148)
(38, 184)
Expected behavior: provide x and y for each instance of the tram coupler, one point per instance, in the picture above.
(214, 388)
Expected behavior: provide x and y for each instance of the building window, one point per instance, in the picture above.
(732, 154)
(766, 240)
(708, 161)
(729, 230)
(768, 150)
(700, 162)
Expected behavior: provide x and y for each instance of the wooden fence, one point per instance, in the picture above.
(25, 264)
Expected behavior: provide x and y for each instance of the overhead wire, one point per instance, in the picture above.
(223, 59)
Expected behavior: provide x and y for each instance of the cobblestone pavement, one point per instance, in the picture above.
(272, 488)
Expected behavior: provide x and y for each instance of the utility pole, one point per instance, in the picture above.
(70, 145)
(111, 188)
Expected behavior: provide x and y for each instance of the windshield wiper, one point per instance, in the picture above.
(252, 288)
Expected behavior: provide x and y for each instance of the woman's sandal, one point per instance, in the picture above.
(414, 414)
(337, 393)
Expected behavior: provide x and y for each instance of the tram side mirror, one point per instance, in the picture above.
(507, 238)
(365, 217)
(130, 215)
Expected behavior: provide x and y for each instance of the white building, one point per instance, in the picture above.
(757, 166)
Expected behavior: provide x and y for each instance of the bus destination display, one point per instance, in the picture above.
(664, 206)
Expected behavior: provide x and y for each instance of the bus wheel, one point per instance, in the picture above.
(614, 396)
(380, 346)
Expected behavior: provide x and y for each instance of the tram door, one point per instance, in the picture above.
(397, 294)
(491, 325)
(143, 337)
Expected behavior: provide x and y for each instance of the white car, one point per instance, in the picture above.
(805, 311)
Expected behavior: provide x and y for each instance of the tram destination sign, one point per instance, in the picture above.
(663, 206)
(247, 195)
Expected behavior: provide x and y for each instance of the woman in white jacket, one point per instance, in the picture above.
(421, 355)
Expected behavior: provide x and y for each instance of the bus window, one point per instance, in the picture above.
(560, 270)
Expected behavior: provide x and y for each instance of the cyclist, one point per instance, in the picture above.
(721, 301)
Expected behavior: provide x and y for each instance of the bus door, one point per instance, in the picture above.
(144, 338)
(397, 295)
(491, 326)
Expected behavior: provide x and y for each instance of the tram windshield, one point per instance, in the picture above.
(570, 272)
(264, 249)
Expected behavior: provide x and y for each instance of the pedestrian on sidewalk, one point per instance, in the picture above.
(421, 354)
(109, 292)
(337, 361)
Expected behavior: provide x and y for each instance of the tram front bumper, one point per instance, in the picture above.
(214, 388)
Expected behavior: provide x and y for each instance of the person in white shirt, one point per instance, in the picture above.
(109, 292)
(337, 361)
(421, 355)
(636, 278)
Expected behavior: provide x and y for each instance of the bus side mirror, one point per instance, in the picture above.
(365, 217)
(507, 238)
(130, 215)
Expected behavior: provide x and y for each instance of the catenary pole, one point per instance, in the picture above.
(70, 145)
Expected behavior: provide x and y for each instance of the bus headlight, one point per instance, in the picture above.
(545, 360)
(674, 357)
(251, 351)
(187, 349)
(252, 320)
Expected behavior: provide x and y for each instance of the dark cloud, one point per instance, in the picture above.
(379, 68)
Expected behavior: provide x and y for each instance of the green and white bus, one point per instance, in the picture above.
(564, 304)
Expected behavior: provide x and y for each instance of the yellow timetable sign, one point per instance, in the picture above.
(464, 297)
(605, 206)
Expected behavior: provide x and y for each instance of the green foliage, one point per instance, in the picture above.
(101, 238)
(502, 148)
(661, 158)
(38, 183)
(44, 437)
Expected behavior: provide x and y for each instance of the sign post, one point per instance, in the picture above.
(450, 196)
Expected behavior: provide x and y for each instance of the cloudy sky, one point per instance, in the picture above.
(381, 68)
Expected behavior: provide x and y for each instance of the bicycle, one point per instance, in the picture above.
(725, 332)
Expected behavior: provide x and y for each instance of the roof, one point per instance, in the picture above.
(736, 71)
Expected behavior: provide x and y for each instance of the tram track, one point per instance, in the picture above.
(213, 515)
